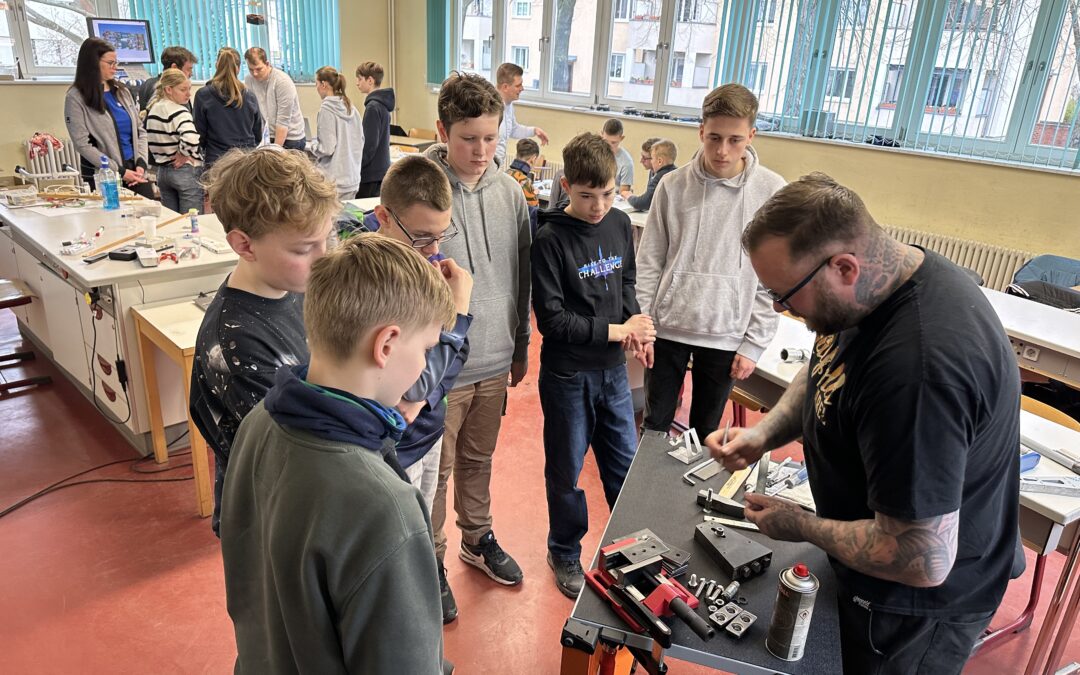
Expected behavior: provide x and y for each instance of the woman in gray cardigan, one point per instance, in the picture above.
(102, 118)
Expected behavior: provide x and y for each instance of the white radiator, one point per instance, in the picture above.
(995, 264)
(50, 166)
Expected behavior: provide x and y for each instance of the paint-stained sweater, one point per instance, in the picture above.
(243, 340)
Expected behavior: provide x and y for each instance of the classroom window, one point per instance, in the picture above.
(617, 66)
(44, 37)
(573, 38)
(520, 56)
(996, 79)
(476, 28)
(522, 9)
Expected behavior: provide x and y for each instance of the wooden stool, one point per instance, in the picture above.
(15, 294)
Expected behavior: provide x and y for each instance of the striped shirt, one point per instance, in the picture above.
(170, 130)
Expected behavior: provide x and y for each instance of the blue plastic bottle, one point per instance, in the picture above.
(108, 185)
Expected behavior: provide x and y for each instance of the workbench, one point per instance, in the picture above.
(655, 497)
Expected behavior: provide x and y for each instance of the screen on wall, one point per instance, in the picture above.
(130, 37)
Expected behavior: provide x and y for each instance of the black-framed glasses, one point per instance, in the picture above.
(782, 300)
(424, 242)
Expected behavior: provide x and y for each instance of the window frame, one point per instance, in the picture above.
(528, 56)
(19, 24)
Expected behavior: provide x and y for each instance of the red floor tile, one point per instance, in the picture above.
(122, 578)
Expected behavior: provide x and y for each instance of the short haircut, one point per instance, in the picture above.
(588, 160)
(507, 72)
(176, 57)
(367, 282)
(372, 70)
(255, 55)
(466, 96)
(613, 127)
(267, 189)
(811, 213)
(527, 148)
(648, 143)
(415, 179)
(665, 149)
(730, 100)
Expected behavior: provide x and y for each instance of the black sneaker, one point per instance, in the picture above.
(449, 606)
(495, 562)
(569, 576)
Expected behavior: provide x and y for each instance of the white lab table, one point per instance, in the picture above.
(638, 218)
(1046, 340)
(88, 342)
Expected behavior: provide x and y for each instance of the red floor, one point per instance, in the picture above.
(121, 578)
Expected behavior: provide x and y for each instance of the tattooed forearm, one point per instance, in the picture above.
(783, 424)
(917, 553)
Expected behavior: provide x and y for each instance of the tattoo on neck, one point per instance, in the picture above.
(886, 264)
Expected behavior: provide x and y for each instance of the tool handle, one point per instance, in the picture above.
(682, 610)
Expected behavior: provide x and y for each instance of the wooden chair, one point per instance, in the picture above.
(426, 134)
(405, 148)
(15, 294)
(1048, 412)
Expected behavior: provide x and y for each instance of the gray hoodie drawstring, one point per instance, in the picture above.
(465, 229)
(483, 225)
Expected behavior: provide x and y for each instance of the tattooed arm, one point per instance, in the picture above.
(917, 553)
(781, 425)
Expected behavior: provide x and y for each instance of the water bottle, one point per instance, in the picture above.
(108, 185)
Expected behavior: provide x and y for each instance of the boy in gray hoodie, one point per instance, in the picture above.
(693, 276)
(489, 209)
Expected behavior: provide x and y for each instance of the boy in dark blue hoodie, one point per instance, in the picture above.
(328, 551)
(583, 295)
(378, 106)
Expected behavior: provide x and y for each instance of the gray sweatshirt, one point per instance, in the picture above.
(494, 246)
(693, 277)
(279, 103)
(339, 144)
(94, 133)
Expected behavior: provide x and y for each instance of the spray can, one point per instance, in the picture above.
(193, 217)
(790, 622)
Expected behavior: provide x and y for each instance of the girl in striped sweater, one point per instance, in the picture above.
(173, 142)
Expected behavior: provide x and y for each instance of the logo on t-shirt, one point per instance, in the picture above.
(602, 268)
(827, 381)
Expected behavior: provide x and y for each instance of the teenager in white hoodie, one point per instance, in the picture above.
(694, 278)
(339, 144)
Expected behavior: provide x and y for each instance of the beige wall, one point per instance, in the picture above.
(1019, 208)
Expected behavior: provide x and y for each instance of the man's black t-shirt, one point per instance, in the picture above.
(243, 340)
(914, 413)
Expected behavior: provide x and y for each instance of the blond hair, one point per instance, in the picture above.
(666, 149)
(170, 77)
(730, 100)
(415, 179)
(263, 190)
(370, 281)
(226, 80)
(336, 80)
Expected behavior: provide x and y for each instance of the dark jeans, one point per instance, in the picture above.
(180, 188)
(298, 144)
(711, 380)
(874, 642)
(590, 407)
(369, 190)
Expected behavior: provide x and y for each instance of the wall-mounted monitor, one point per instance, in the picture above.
(130, 37)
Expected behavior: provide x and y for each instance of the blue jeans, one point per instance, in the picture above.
(180, 188)
(297, 144)
(589, 407)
